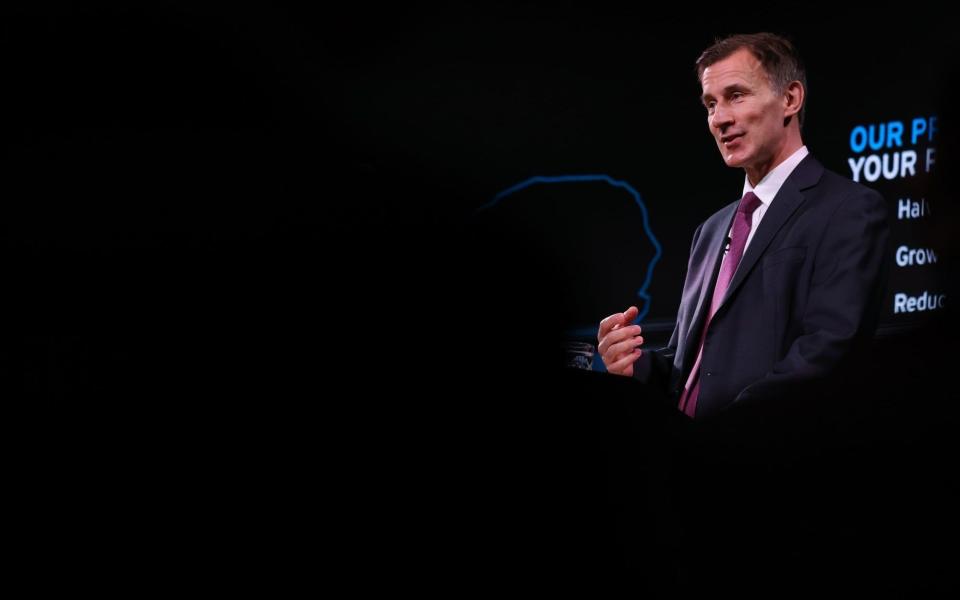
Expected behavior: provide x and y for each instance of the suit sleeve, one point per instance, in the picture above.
(654, 367)
(849, 277)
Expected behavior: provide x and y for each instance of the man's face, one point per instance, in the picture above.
(744, 113)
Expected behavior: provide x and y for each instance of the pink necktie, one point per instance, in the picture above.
(738, 241)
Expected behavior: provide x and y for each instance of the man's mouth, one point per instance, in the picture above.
(729, 138)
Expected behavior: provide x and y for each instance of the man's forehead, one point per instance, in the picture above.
(739, 66)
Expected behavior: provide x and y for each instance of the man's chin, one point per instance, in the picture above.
(733, 161)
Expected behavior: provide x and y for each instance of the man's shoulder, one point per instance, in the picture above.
(837, 198)
(839, 185)
(843, 183)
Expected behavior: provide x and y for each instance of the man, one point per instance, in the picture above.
(783, 285)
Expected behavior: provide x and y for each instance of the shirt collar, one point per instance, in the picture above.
(766, 190)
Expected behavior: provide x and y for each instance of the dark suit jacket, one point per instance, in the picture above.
(807, 292)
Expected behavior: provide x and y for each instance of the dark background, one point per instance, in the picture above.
(257, 324)
(182, 168)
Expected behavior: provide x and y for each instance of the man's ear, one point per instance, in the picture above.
(793, 98)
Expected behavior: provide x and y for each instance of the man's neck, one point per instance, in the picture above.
(756, 175)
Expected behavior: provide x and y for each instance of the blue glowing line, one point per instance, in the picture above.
(642, 292)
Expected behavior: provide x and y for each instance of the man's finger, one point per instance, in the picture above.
(627, 359)
(616, 336)
(616, 321)
(626, 345)
(608, 324)
(628, 316)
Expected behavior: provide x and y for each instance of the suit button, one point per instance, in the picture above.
(709, 374)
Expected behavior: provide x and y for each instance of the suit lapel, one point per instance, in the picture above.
(716, 241)
(784, 204)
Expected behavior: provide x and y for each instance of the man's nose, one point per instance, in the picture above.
(721, 118)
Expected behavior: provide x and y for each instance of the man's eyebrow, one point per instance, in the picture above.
(733, 87)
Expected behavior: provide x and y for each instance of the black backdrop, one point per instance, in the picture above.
(256, 166)
(241, 253)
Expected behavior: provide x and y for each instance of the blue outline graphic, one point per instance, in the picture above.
(642, 292)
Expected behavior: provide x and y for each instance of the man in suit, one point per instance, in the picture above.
(783, 285)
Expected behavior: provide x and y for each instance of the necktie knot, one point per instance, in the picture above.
(748, 203)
